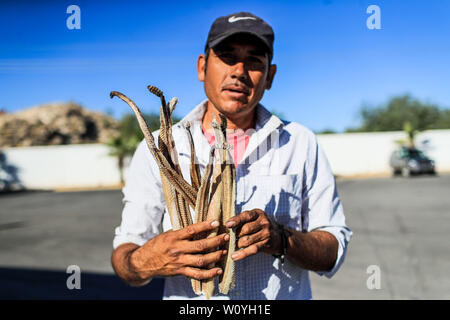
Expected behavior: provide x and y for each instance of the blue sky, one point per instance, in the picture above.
(329, 62)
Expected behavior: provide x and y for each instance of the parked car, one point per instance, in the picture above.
(411, 161)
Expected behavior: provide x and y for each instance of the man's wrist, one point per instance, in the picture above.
(135, 263)
(283, 243)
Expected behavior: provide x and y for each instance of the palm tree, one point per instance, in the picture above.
(130, 136)
(122, 147)
(411, 133)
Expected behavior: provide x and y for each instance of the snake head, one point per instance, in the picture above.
(113, 94)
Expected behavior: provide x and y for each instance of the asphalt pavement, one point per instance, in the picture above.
(400, 247)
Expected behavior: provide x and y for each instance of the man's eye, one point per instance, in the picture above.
(255, 63)
(255, 59)
(251, 62)
(225, 56)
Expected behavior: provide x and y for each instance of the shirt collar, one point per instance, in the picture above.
(264, 118)
(265, 124)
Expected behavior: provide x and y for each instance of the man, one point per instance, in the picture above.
(289, 216)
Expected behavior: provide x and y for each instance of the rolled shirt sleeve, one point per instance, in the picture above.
(144, 203)
(322, 206)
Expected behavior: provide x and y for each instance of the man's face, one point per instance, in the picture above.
(236, 75)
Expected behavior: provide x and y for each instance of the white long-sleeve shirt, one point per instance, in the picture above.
(284, 172)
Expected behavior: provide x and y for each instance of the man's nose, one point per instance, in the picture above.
(239, 70)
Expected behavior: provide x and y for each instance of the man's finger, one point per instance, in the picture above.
(243, 217)
(197, 228)
(248, 240)
(248, 251)
(202, 245)
(201, 274)
(203, 260)
(252, 227)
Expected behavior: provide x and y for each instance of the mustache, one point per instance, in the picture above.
(237, 86)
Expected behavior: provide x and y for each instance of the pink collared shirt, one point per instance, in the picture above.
(237, 138)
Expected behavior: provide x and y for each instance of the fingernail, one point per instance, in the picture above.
(215, 223)
(224, 252)
(230, 224)
(234, 255)
(219, 271)
(226, 237)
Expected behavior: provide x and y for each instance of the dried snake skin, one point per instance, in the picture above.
(211, 196)
(228, 206)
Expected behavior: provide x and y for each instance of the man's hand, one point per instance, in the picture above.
(255, 233)
(177, 253)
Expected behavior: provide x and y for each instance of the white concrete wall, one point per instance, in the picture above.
(90, 166)
(368, 153)
(437, 146)
(67, 166)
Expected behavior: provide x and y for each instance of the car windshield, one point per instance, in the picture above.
(417, 154)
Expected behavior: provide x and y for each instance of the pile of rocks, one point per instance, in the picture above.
(54, 124)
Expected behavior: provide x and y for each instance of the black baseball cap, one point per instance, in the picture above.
(241, 22)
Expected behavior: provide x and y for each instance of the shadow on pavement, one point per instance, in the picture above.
(16, 283)
(22, 192)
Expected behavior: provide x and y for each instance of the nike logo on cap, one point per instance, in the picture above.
(234, 19)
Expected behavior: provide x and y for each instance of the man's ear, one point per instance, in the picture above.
(201, 64)
(271, 75)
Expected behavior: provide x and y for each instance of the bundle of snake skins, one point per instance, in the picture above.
(211, 196)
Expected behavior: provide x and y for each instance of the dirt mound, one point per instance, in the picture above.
(55, 124)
